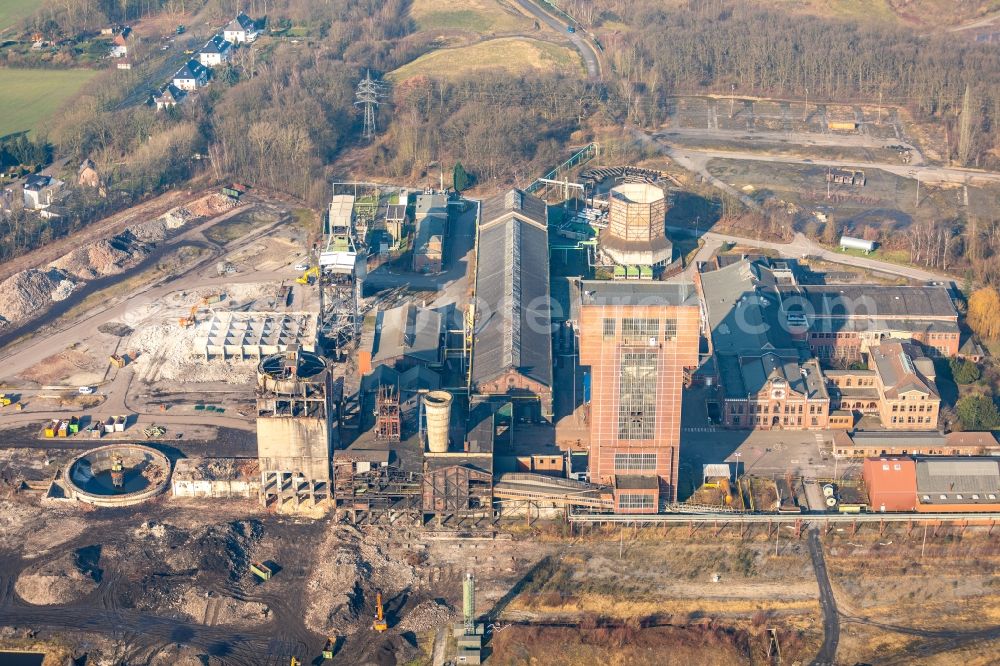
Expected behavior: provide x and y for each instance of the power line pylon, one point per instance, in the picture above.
(367, 96)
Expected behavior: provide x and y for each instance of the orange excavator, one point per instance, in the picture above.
(379, 624)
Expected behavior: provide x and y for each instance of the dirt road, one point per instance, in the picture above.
(831, 621)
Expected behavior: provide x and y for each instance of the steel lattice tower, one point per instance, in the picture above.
(367, 96)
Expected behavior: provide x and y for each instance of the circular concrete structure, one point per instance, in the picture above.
(437, 411)
(146, 474)
(636, 233)
(288, 371)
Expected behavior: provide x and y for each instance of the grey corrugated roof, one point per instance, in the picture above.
(742, 310)
(878, 301)
(513, 318)
(876, 438)
(952, 476)
(526, 205)
(407, 330)
(617, 292)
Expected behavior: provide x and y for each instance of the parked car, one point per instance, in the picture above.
(85, 390)
(570, 28)
(301, 267)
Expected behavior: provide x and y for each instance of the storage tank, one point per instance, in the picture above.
(437, 411)
(831, 502)
(828, 490)
(851, 243)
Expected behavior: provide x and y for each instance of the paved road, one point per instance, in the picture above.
(831, 621)
(800, 246)
(579, 39)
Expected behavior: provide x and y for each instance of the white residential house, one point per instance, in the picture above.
(120, 43)
(215, 52)
(191, 76)
(168, 97)
(241, 30)
(40, 191)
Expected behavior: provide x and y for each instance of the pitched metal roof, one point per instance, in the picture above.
(901, 368)
(407, 330)
(513, 317)
(956, 480)
(526, 206)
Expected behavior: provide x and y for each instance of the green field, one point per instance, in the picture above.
(12, 11)
(481, 16)
(517, 55)
(31, 96)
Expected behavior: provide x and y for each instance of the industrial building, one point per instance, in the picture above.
(403, 337)
(241, 335)
(512, 346)
(904, 379)
(637, 339)
(845, 320)
(766, 380)
(296, 428)
(933, 485)
(636, 232)
(765, 326)
(868, 443)
(431, 219)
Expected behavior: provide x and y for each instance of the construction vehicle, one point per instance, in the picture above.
(190, 319)
(4, 400)
(294, 662)
(308, 276)
(117, 361)
(379, 624)
(261, 570)
(118, 472)
(331, 644)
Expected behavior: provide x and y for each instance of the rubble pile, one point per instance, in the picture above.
(210, 608)
(104, 257)
(59, 581)
(27, 292)
(428, 615)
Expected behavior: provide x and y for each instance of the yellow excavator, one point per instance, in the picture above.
(379, 624)
(308, 276)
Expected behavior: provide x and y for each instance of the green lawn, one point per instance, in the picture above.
(12, 11)
(31, 96)
(517, 55)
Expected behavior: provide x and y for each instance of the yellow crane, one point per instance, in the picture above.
(379, 624)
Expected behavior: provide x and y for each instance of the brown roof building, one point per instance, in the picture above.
(904, 378)
(637, 339)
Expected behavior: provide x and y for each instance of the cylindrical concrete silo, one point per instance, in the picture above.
(437, 412)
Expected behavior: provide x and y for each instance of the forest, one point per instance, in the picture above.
(713, 45)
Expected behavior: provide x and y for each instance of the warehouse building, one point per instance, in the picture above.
(933, 485)
(512, 346)
(926, 443)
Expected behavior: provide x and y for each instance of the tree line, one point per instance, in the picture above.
(714, 45)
